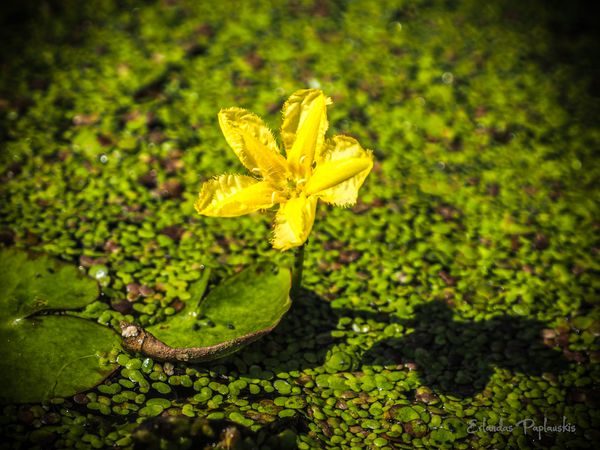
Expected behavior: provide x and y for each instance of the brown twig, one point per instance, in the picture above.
(136, 339)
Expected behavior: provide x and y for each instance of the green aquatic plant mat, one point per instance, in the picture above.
(234, 314)
(49, 355)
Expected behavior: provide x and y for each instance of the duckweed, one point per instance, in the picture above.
(461, 287)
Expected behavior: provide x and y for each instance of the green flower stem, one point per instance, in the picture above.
(297, 271)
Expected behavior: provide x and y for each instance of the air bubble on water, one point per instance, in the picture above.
(441, 165)
(398, 26)
(576, 164)
(448, 78)
(314, 83)
(103, 158)
(202, 266)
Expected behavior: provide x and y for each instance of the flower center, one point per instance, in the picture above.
(295, 186)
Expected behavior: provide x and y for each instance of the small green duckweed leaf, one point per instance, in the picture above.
(457, 426)
(406, 414)
(442, 436)
(339, 362)
(47, 356)
(234, 314)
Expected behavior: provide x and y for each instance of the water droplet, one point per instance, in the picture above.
(202, 266)
(256, 170)
(206, 323)
(576, 164)
(361, 328)
(100, 273)
(398, 26)
(448, 78)
(302, 158)
(103, 158)
(314, 83)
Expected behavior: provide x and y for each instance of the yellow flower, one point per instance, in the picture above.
(315, 168)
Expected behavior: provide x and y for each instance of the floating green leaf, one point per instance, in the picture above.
(235, 313)
(45, 356)
(406, 414)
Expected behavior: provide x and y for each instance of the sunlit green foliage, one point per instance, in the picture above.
(483, 120)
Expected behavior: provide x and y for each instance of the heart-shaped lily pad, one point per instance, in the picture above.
(45, 356)
(235, 313)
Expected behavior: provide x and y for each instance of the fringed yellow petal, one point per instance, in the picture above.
(235, 195)
(332, 173)
(293, 222)
(303, 129)
(341, 172)
(254, 144)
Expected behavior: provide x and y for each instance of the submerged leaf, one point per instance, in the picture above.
(52, 355)
(235, 313)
